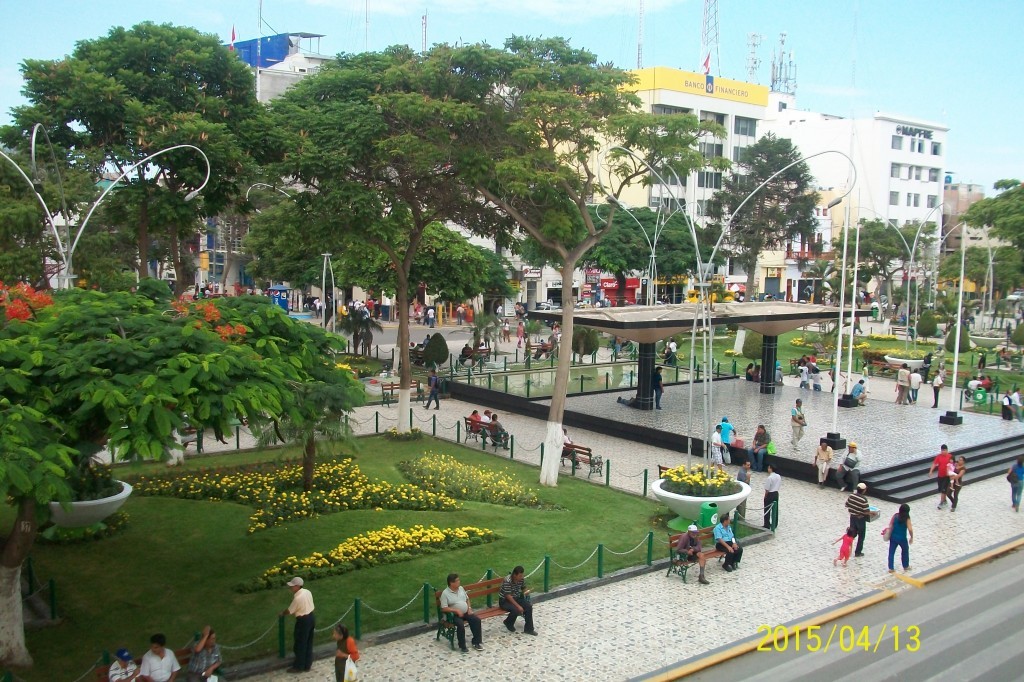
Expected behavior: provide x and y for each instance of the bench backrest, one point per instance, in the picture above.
(706, 536)
(474, 591)
(662, 470)
(183, 656)
(581, 449)
(473, 426)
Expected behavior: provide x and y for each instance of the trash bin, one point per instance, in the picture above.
(708, 514)
(980, 396)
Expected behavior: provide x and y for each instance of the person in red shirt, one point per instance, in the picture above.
(940, 465)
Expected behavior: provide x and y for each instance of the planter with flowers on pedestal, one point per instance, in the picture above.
(686, 491)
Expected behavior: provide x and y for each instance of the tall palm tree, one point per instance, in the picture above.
(361, 327)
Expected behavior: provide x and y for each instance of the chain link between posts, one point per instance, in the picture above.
(628, 551)
(400, 608)
(539, 566)
(340, 618)
(77, 679)
(243, 646)
(570, 568)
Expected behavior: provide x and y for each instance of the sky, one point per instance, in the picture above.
(949, 63)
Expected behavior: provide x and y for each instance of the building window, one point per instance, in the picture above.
(665, 109)
(712, 116)
(709, 179)
(933, 200)
(711, 150)
(702, 205)
(917, 172)
(739, 154)
(910, 199)
(894, 198)
(897, 142)
(936, 148)
(745, 126)
(917, 200)
(920, 146)
(894, 170)
(669, 177)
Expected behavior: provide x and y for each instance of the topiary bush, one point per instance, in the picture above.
(435, 353)
(1018, 336)
(965, 340)
(927, 325)
(752, 345)
(585, 340)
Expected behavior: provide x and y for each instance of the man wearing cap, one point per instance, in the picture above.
(857, 505)
(689, 546)
(848, 471)
(123, 669)
(302, 608)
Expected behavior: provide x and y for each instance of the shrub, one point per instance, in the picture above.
(585, 340)
(394, 434)
(385, 546)
(435, 353)
(927, 325)
(445, 475)
(1018, 336)
(965, 340)
(752, 345)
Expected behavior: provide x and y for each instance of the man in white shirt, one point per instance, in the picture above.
(902, 384)
(1015, 404)
(305, 622)
(915, 384)
(771, 496)
(937, 382)
(804, 377)
(455, 601)
(159, 664)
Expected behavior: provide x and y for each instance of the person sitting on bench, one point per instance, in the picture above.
(466, 355)
(566, 444)
(725, 541)
(690, 547)
(497, 432)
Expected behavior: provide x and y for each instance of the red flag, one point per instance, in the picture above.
(231, 47)
(707, 64)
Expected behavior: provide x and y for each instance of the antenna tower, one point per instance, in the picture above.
(424, 48)
(640, 38)
(783, 69)
(753, 61)
(709, 39)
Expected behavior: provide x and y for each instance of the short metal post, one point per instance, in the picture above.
(506, 383)
(426, 602)
(458, 432)
(581, 383)
(527, 388)
(357, 609)
(238, 437)
(489, 375)
(600, 561)
(434, 425)
(199, 439)
(547, 572)
(645, 482)
(631, 378)
(542, 461)
(607, 472)
(490, 576)
(607, 381)
(512, 447)
(734, 366)
(410, 420)
(376, 422)
(650, 543)
(505, 360)
(280, 637)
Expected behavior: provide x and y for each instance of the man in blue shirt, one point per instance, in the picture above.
(858, 393)
(725, 541)
(727, 430)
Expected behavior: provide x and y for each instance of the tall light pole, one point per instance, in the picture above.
(951, 417)
(328, 267)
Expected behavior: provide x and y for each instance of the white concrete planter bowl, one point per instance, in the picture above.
(912, 364)
(83, 514)
(688, 506)
(987, 341)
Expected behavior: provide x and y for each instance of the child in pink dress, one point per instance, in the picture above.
(844, 549)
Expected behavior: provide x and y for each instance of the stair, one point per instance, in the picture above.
(909, 481)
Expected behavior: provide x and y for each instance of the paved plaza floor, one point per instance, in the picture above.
(629, 628)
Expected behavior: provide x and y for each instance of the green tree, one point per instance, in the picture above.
(782, 210)
(1018, 336)
(927, 325)
(436, 353)
(120, 370)
(1007, 267)
(585, 341)
(1004, 213)
(361, 327)
(752, 344)
(540, 112)
(965, 339)
(108, 103)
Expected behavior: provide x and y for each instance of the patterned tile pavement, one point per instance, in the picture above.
(621, 630)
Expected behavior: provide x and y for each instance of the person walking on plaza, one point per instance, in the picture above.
(1015, 476)
(460, 314)
(901, 534)
(434, 384)
(798, 421)
(520, 333)
(305, 622)
(772, 483)
(717, 447)
(844, 549)
(804, 375)
(940, 466)
(937, 382)
(455, 601)
(689, 546)
(822, 461)
(515, 598)
(956, 482)
(659, 388)
(902, 384)
(346, 653)
(860, 511)
(915, 385)
(725, 541)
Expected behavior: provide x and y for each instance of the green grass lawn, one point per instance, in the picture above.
(175, 566)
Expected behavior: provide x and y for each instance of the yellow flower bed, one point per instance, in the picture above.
(699, 481)
(445, 475)
(276, 491)
(882, 337)
(390, 544)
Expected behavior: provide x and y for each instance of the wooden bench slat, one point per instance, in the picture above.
(680, 565)
(479, 590)
(581, 454)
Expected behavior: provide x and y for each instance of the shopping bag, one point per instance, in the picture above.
(351, 672)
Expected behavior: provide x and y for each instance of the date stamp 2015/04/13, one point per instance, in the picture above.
(846, 638)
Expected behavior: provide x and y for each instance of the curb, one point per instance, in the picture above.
(713, 658)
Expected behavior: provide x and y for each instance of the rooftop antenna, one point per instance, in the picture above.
(640, 38)
(709, 38)
(424, 47)
(783, 69)
(753, 61)
(366, 26)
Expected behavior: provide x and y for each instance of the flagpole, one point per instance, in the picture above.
(259, 44)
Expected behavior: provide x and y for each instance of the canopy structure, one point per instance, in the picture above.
(649, 324)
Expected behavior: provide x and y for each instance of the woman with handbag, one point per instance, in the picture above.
(1015, 476)
(346, 655)
(900, 533)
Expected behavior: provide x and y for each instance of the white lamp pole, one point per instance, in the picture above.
(959, 320)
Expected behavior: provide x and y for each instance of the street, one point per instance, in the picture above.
(965, 627)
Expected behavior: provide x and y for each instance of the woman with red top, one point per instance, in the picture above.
(346, 651)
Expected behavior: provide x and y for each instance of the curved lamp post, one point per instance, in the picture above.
(265, 186)
(67, 250)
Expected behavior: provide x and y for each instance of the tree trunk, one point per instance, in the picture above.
(404, 361)
(553, 438)
(16, 548)
(143, 240)
(308, 462)
(752, 277)
(179, 262)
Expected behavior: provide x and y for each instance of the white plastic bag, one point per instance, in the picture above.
(351, 672)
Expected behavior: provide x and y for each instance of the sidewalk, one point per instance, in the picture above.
(625, 629)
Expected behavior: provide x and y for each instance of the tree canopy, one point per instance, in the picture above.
(1004, 213)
